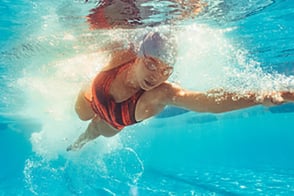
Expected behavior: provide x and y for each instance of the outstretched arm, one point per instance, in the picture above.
(95, 128)
(217, 101)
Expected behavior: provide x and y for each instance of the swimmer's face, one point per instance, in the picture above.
(152, 72)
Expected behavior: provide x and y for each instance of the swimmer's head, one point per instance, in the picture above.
(157, 45)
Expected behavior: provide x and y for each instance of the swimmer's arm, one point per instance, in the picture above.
(215, 101)
(115, 46)
(118, 53)
(120, 57)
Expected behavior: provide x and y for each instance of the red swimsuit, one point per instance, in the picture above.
(120, 114)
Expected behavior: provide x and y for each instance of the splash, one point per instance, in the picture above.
(50, 94)
(86, 173)
(208, 59)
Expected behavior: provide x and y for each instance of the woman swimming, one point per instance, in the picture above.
(133, 87)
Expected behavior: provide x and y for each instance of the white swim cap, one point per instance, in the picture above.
(160, 46)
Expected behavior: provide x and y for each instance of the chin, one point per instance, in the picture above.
(147, 88)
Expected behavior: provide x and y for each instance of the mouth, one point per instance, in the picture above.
(148, 83)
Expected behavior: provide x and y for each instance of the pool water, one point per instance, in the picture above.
(48, 52)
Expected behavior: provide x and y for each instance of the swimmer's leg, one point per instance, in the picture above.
(95, 128)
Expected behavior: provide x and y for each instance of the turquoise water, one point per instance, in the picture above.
(48, 51)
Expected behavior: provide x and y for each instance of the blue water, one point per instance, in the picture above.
(48, 51)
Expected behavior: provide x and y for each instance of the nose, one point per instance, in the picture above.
(155, 76)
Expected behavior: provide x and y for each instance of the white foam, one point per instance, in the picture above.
(207, 59)
(50, 94)
(203, 54)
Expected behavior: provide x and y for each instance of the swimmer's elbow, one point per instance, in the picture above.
(174, 94)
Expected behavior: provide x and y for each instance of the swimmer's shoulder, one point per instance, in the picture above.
(120, 57)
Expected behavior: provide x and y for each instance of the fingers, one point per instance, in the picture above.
(277, 98)
(288, 96)
(73, 147)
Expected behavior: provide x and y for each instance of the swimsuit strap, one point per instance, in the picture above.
(114, 72)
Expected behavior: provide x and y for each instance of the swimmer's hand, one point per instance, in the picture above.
(276, 98)
(288, 96)
(77, 145)
(72, 147)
